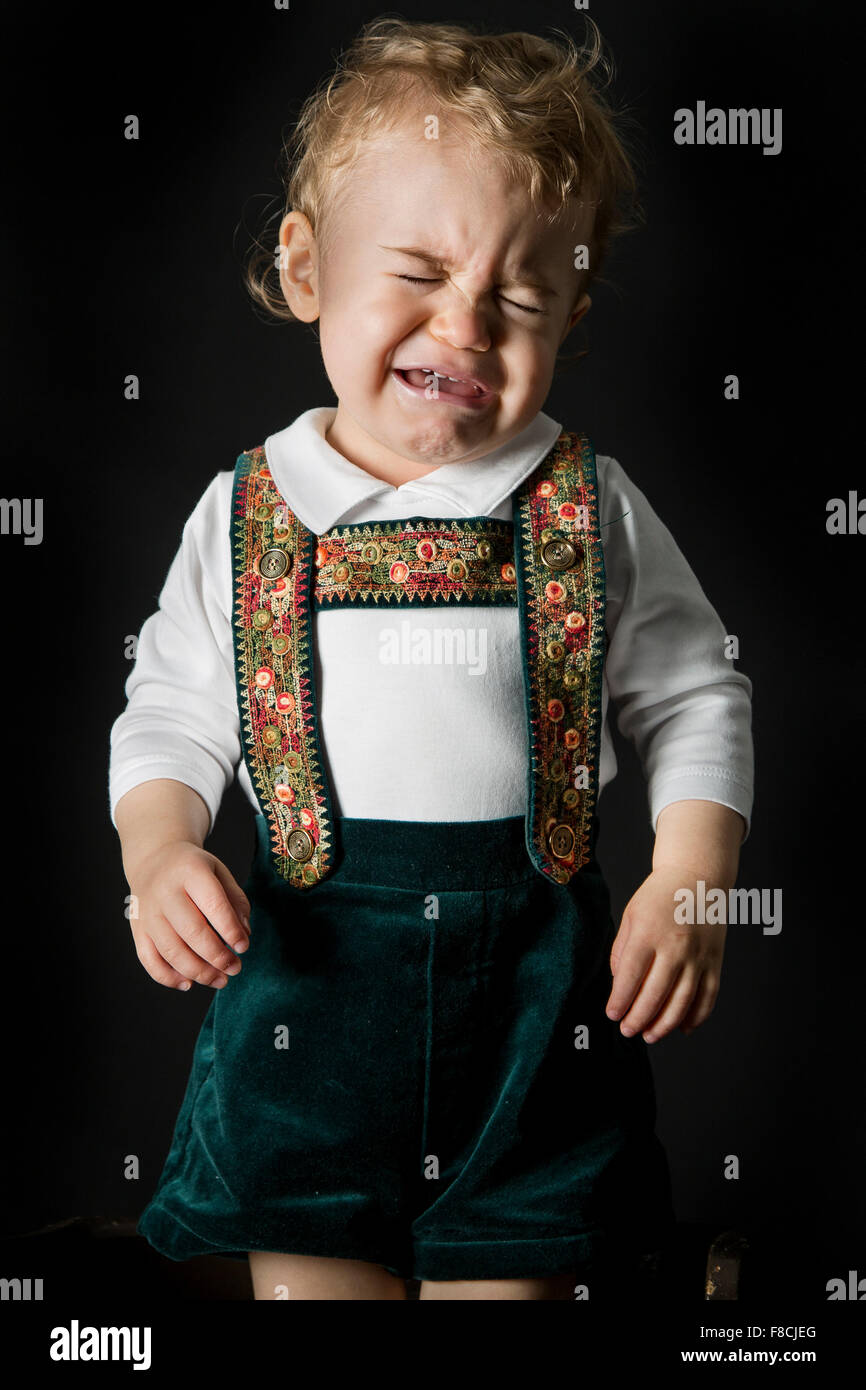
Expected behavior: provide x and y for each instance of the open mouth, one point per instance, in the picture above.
(425, 379)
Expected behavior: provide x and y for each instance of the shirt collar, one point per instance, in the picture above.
(322, 487)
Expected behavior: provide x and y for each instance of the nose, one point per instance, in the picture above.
(463, 328)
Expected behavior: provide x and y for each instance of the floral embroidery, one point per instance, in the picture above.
(424, 562)
(563, 651)
(274, 669)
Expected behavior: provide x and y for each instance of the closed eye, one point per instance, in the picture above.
(420, 280)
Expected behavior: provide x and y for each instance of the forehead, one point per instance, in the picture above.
(450, 195)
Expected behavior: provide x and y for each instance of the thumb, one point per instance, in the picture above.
(237, 897)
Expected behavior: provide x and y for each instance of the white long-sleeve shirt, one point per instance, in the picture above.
(430, 739)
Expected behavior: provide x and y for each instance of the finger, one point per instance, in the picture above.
(633, 968)
(676, 1008)
(652, 995)
(619, 943)
(204, 889)
(177, 952)
(158, 969)
(703, 1002)
(238, 899)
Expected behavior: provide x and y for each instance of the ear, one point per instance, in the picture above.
(299, 266)
(580, 308)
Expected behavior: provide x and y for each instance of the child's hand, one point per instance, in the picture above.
(181, 889)
(666, 974)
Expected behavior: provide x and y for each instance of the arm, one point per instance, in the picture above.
(703, 836)
(181, 718)
(679, 699)
(688, 713)
(173, 750)
(154, 814)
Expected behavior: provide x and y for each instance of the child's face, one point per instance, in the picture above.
(482, 315)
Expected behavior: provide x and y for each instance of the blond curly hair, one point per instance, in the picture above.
(534, 103)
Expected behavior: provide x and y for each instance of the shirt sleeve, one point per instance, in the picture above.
(181, 717)
(679, 699)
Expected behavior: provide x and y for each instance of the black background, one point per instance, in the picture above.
(125, 257)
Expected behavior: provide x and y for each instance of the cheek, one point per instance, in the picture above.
(361, 343)
(532, 364)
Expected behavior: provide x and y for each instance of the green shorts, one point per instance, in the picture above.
(414, 1068)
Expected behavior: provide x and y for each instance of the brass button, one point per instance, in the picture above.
(559, 555)
(300, 845)
(561, 841)
(274, 563)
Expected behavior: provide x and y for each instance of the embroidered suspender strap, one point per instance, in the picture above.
(272, 566)
(561, 596)
(421, 562)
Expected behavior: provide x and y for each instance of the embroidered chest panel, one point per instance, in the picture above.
(422, 562)
(549, 563)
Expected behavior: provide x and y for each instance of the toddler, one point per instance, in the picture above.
(400, 620)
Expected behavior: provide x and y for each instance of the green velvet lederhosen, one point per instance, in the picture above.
(414, 1066)
(394, 1077)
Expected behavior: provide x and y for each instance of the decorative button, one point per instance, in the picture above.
(300, 845)
(559, 555)
(274, 563)
(561, 841)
